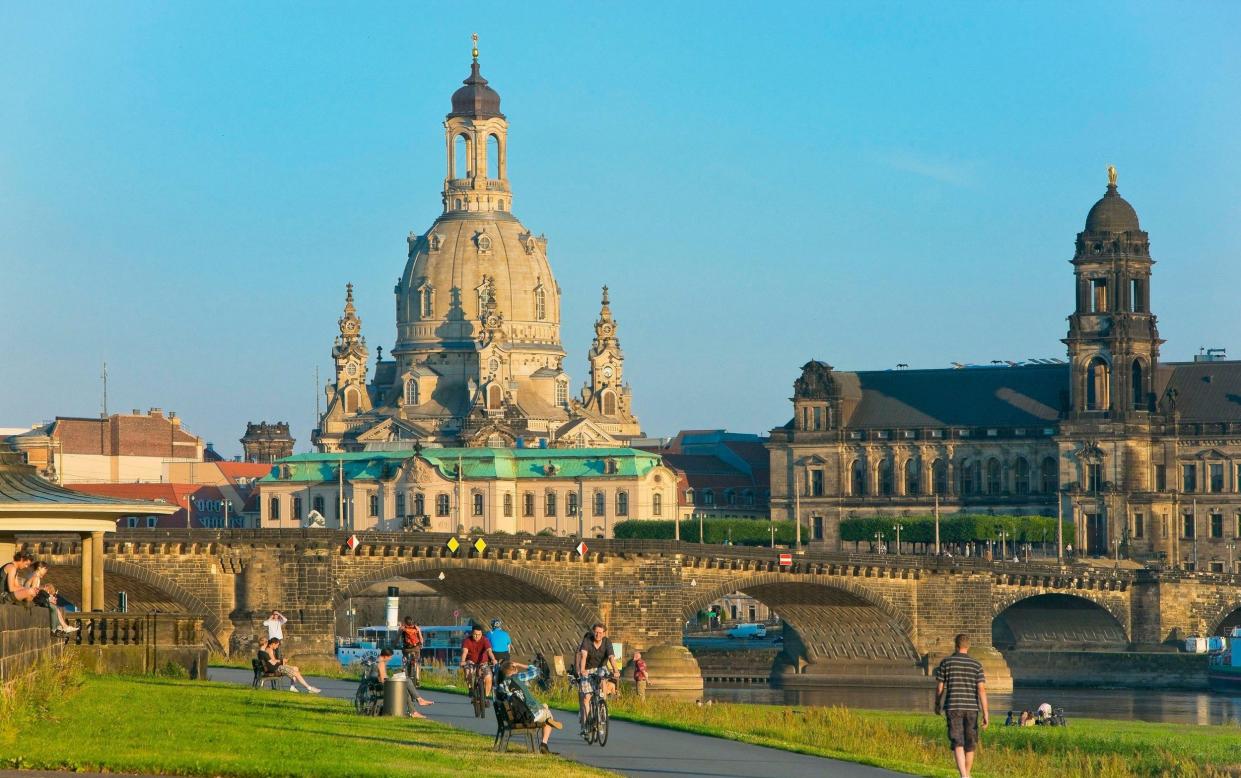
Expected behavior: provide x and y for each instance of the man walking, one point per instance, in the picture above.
(275, 625)
(961, 693)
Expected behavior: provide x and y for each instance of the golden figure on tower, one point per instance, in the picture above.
(1111, 170)
(474, 50)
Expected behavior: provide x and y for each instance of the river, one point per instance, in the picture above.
(1181, 707)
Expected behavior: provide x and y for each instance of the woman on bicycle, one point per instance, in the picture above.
(595, 657)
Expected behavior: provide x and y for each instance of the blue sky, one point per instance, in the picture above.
(186, 188)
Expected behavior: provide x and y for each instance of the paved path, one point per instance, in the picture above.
(632, 749)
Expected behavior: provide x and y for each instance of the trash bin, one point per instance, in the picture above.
(122, 602)
(394, 695)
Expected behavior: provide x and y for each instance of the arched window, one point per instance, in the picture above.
(540, 304)
(969, 477)
(493, 397)
(441, 505)
(527, 504)
(461, 157)
(493, 157)
(549, 504)
(747, 497)
(571, 504)
(1139, 386)
(427, 302)
(622, 503)
(1051, 475)
(373, 505)
(1097, 395)
(420, 504)
(885, 477)
(562, 394)
(995, 476)
(351, 400)
(609, 404)
(478, 504)
(657, 504)
(913, 476)
(273, 509)
(600, 504)
(1021, 476)
(857, 478)
(939, 477)
(411, 392)
(708, 496)
(500, 204)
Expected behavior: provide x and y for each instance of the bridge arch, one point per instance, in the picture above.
(541, 614)
(1224, 619)
(1057, 620)
(832, 623)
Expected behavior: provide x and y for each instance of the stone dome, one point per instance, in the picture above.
(1112, 213)
(476, 99)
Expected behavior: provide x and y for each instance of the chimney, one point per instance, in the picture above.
(157, 413)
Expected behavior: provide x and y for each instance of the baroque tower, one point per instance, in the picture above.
(1113, 340)
(606, 398)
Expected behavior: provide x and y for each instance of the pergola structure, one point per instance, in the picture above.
(30, 505)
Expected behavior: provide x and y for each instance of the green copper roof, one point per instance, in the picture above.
(476, 463)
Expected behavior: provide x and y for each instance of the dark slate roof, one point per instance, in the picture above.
(1112, 213)
(1205, 391)
(1025, 395)
(20, 484)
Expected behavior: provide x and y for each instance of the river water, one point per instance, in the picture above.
(1182, 707)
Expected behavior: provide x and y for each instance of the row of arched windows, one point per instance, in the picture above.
(973, 476)
(426, 302)
(462, 152)
(706, 497)
(1099, 382)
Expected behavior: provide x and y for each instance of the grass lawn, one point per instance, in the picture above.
(153, 725)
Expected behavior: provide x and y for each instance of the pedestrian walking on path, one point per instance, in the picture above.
(275, 625)
(961, 693)
(639, 674)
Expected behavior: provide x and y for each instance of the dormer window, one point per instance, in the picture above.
(435, 241)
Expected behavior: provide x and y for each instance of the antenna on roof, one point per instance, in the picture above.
(103, 413)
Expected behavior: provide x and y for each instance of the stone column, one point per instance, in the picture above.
(96, 572)
(88, 580)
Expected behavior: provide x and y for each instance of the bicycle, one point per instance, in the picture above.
(474, 682)
(596, 727)
(368, 700)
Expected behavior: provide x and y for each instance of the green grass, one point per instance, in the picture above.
(175, 727)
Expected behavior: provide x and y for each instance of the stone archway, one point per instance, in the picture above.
(540, 614)
(1057, 621)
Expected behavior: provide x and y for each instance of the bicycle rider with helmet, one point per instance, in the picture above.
(594, 657)
(477, 657)
(501, 643)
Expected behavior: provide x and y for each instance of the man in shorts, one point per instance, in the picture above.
(961, 693)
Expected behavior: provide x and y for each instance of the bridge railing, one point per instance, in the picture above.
(139, 642)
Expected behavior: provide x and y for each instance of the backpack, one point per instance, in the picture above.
(409, 636)
(510, 697)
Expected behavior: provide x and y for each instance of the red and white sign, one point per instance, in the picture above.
(581, 548)
(352, 542)
(786, 560)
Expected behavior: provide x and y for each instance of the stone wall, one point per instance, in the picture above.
(1131, 670)
(25, 638)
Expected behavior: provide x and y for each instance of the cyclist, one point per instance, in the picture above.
(477, 657)
(411, 650)
(595, 657)
(501, 643)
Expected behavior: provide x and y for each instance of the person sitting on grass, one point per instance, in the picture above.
(15, 590)
(514, 677)
(381, 675)
(277, 664)
(56, 617)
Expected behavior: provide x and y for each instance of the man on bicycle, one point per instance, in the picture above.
(594, 658)
(411, 649)
(476, 657)
(501, 643)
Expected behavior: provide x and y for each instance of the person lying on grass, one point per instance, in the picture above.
(277, 664)
(514, 677)
(381, 675)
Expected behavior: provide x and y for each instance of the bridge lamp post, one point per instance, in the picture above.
(1231, 547)
(879, 542)
(898, 528)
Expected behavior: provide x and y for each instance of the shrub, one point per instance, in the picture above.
(171, 669)
(742, 532)
(955, 528)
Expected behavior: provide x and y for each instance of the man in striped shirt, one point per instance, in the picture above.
(961, 693)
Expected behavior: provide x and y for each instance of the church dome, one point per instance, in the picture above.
(476, 99)
(1112, 213)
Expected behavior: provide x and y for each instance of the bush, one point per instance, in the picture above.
(743, 532)
(955, 528)
(171, 669)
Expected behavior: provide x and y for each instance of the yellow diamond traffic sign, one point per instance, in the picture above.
(480, 545)
(453, 545)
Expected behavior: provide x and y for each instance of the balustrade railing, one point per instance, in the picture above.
(135, 629)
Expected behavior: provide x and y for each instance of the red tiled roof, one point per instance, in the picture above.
(173, 494)
(235, 470)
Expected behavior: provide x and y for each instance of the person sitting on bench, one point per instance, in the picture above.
(277, 664)
(516, 675)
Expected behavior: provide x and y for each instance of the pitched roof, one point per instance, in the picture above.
(1024, 395)
(1205, 391)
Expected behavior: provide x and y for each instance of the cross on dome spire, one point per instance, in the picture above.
(474, 50)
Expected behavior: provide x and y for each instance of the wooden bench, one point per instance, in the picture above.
(262, 677)
(505, 730)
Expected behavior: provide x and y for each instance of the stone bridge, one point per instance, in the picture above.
(844, 614)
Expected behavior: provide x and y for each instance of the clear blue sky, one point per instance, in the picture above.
(186, 188)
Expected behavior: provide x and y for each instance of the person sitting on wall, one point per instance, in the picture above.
(56, 618)
(278, 664)
(16, 590)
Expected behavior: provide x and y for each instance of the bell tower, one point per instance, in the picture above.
(476, 136)
(350, 355)
(1113, 341)
(607, 396)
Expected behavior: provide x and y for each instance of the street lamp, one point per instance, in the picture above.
(879, 542)
(1003, 545)
(898, 528)
(1231, 547)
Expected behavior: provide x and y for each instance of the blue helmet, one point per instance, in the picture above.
(495, 623)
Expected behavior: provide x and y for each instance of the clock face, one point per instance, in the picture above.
(352, 369)
(607, 329)
(607, 371)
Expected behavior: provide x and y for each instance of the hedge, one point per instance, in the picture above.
(955, 528)
(744, 532)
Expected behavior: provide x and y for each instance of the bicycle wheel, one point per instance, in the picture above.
(601, 723)
(360, 699)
